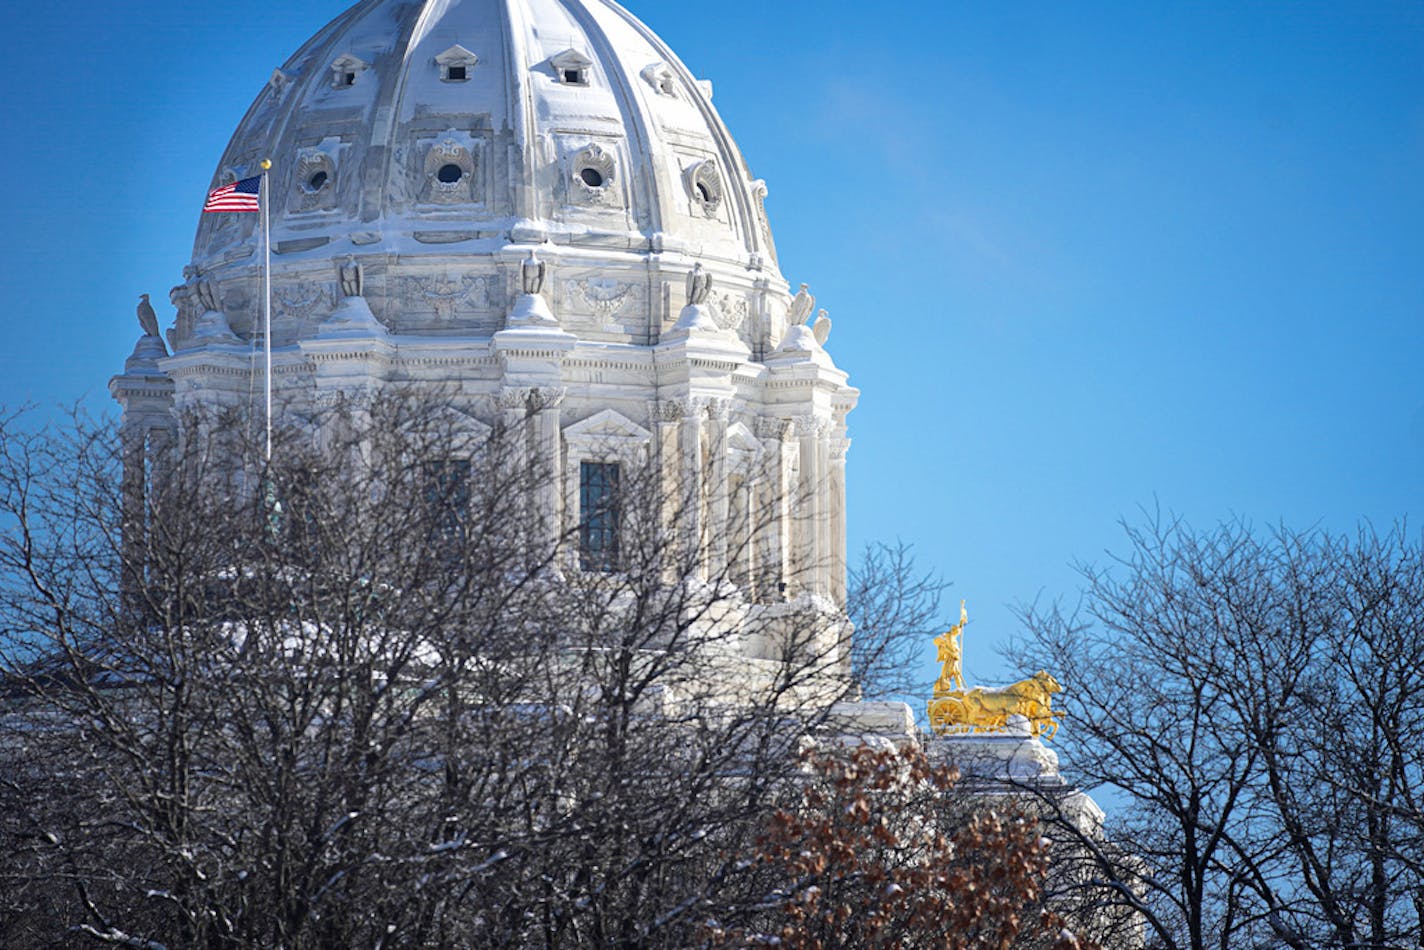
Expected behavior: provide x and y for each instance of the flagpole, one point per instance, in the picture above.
(267, 300)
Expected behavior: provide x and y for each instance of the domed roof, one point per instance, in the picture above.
(461, 126)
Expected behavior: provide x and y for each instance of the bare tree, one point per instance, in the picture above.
(1254, 705)
(895, 609)
(373, 694)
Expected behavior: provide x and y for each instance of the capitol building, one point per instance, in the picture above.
(550, 679)
(532, 208)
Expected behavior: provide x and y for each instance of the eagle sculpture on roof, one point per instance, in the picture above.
(147, 318)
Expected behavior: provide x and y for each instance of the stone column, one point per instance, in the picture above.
(546, 465)
(825, 559)
(690, 498)
(134, 530)
(839, 447)
(809, 514)
(667, 416)
(771, 509)
(718, 507)
(147, 435)
(514, 446)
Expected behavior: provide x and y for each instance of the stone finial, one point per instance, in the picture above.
(150, 346)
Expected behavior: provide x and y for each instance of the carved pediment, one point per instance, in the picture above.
(457, 55)
(606, 426)
(571, 59)
(457, 431)
(346, 68)
(456, 63)
(571, 67)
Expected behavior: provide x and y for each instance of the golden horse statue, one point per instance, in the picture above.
(957, 710)
(988, 710)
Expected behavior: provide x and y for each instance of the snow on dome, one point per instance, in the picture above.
(404, 133)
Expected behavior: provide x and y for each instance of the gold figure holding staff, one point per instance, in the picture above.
(951, 654)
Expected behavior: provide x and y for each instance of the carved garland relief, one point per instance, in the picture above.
(603, 297)
(300, 300)
(448, 295)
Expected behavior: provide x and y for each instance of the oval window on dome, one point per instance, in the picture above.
(592, 172)
(450, 171)
(314, 181)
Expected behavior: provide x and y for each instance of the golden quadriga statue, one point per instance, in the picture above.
(955, 710)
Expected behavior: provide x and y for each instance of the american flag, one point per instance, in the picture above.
(238, 196)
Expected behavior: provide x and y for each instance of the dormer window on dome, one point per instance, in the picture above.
(345, 69)
(571, 67)
(456, 64)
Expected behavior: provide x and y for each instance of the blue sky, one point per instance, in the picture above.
(1082, 259)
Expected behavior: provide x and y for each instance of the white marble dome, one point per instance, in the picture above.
(409, 134)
